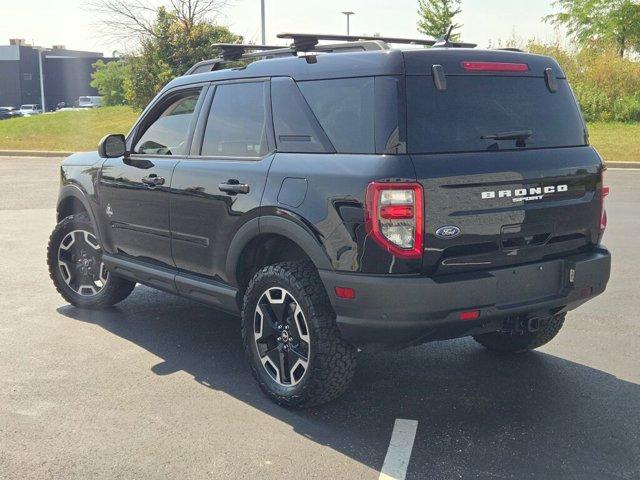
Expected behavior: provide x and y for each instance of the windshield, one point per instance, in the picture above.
(479, 113)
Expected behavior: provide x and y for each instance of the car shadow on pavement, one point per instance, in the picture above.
(480, 415)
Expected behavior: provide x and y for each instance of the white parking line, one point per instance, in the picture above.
(399, 452)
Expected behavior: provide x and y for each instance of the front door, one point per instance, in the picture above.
(134, 190)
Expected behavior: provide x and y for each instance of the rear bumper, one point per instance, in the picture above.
(401, 311)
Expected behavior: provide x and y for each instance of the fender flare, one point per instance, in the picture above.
(295, 232)
(72, 190)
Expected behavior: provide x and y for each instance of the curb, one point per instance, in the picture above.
(623, 164)
(33, 153)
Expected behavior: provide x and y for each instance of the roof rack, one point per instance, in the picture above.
(307, 41)
(304, 42)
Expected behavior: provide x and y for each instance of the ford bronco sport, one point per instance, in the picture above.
(346, 196)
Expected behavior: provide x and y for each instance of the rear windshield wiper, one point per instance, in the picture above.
(518, 135)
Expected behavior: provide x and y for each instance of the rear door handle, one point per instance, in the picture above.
(233, 187)
(153, 180)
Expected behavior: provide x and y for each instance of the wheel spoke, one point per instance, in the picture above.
(283, 364)
(297, 352)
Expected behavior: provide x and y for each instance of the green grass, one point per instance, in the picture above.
(616, 142)
(81, 130)
(65, 131)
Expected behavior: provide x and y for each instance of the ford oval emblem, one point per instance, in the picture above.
(448, 231)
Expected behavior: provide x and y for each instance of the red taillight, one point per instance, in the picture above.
(396, 211)
(604, 192)
(495, 67)
(469, 315)
(347, 293)
(394, 217)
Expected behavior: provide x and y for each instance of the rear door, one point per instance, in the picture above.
(504, 162)
(219, 187)
(134, 190)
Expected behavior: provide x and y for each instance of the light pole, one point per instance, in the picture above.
(42, 99)
(348, 14)
(264, 34)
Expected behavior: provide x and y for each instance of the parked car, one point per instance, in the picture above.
(9, 112)
(30, 109)
(89, 102)
(351, 196)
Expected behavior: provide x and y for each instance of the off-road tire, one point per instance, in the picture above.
(115, 289)
(507, 343)
(332, 361)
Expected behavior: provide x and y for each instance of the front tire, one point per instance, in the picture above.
(291, 339)
(74, 257)
(522, 342)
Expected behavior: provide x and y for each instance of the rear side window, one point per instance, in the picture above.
(475, 106)
(237, 125)
(345, 110)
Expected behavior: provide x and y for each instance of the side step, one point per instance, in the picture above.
(176, 282)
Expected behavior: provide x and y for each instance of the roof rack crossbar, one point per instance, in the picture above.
(307, 41)
(235, 51)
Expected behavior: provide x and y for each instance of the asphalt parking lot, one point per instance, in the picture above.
(158, 388)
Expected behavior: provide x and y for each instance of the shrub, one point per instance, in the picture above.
(607, 86)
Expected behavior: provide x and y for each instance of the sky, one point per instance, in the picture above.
(485, 22)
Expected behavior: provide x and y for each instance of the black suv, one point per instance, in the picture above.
(346, 196)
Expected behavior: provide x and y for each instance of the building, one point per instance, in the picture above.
(67, 74)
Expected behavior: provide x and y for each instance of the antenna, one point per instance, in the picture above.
(447, 35)
(443, 42)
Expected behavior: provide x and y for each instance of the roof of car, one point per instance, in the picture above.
(414, 61)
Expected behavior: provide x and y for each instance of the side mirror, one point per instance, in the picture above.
(112, 146)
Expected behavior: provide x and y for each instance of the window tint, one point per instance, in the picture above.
(474, 106)
(167, 135)
(344, 108)
(236, 126)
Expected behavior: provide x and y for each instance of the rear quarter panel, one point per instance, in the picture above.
(333, 205)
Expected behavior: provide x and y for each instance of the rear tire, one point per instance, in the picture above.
(503, 342)
(74, 257)
(291, 339)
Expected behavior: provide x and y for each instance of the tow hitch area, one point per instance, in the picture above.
(526, 323)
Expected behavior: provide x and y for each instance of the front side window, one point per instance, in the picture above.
(345, 110)
(237, 122)
(167, 135)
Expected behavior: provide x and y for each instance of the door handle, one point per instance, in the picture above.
(153, 180)
(233, 187)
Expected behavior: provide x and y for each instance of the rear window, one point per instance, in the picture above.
(475, 106)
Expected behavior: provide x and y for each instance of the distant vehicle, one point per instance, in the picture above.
(30, 109)
(89, 102)
(9, 112)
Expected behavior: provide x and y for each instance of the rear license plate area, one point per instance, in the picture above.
(530, 282)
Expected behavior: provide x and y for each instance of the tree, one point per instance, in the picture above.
(436, 16)
(170, 51)
(109, 79)
(613, 21)
(136, 19)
